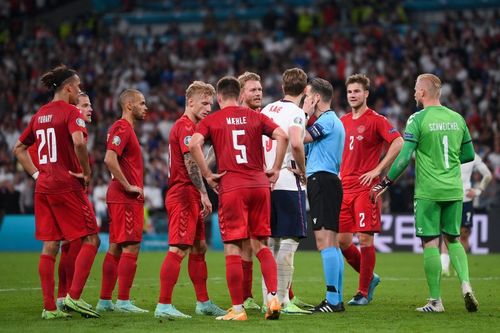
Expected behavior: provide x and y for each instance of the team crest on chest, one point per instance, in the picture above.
(116, 140)
(361, 129)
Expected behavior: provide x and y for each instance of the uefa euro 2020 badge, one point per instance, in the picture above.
(187, 140)
(80, 122)
(116, 140)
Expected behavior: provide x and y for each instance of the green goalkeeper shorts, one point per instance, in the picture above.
(435, 217)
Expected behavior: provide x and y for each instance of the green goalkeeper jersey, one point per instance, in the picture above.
(439, 134)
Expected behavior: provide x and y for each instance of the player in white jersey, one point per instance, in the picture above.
(288, 198)
(468, 211)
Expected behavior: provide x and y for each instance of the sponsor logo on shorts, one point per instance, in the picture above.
(315, 219)
(419, 230)
(116, 140)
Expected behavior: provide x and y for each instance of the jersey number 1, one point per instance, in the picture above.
(47, 137)
(445, 150)
(241, 158)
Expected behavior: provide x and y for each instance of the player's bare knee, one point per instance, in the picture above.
(181, 250)
(92, 239)
(199, 247)
(365, 240)
(50, 248)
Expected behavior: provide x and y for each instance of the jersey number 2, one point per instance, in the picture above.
(241, 158)
(47, 137)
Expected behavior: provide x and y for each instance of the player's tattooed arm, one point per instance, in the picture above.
(194, 173)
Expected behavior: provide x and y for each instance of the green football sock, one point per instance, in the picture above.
(432, 268)
(458, 259)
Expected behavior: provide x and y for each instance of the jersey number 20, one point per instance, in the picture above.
(241, 158)
(47, 137)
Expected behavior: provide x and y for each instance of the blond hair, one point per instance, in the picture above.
(247, 76)
(431, 83)
(200, 88)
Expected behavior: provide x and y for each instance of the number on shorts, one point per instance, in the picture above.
(47, 137)
(361, 220)
(242, 157)
(468, 216)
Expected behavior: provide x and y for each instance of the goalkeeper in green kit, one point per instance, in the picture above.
(441, 142)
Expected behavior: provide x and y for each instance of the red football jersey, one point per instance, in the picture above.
(236, 134)
(33, 151)
(365, 139)
(179, 138)
(50, 132)
(123, 140)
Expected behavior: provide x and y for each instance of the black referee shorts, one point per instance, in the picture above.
(324, 191)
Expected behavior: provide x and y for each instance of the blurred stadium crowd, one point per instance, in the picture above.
(384, 42)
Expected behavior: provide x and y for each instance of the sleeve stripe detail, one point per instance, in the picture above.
(466, 142)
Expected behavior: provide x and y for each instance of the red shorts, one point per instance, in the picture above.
(64, 216)
(359, 214)
(185, 223)
(245, 213)
(126, 222)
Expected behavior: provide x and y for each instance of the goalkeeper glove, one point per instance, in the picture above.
(380, 188)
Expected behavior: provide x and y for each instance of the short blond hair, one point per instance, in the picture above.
(200, 88)
(431, 83)
(247, 76)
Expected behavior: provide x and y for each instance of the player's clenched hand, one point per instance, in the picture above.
(206, 204)
(367, 178)
(213, 180)
(380, 188)
(300, 174)
(273, 176)
(135, 189)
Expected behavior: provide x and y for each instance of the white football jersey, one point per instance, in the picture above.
(467, 168)
(286, 114)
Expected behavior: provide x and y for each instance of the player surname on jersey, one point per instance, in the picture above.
(236, 121)
(45, 119)
(443, 127)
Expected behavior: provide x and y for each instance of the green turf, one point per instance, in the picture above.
(402, 289)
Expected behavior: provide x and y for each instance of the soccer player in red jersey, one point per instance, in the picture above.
(367, 133)
(69, 250)
(62, 210)
(187, 206)
(243, 187)
(125, 199)
(250, 97)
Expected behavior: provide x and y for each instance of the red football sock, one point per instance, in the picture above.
(109, 275)
(247, 278)
(197, 268)
(353, 257)
(74, 249)
(62, 284)
(234, 275)
(126, 273)
(367, 266)
(169, 274)
(290, 292)
(269, 269)
(83, 264)
(46, 271)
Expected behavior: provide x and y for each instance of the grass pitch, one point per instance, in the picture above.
(402, 289)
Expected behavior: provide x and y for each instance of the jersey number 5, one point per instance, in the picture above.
(241, 158)
(47, 137)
